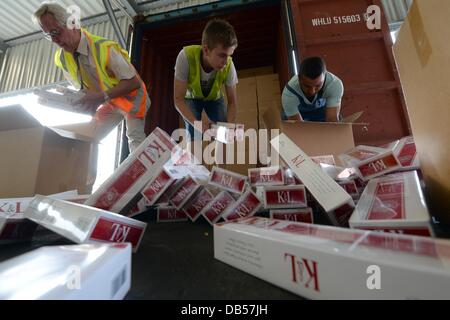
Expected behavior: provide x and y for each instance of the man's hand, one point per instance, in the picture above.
(90, 102)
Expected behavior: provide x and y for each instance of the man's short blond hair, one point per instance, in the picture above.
(55, 9)
(218, 31)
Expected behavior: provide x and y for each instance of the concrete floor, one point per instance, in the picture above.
(175, 261)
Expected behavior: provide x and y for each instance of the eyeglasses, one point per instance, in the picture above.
(52, 34)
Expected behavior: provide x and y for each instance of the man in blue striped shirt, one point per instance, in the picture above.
(313, 95)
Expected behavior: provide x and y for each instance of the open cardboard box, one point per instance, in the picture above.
(422, 54)
(314, 138)
(39, 159)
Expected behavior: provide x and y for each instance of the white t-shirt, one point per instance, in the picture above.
(206, 79)
(118, 65)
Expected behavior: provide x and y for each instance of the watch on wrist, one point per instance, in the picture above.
(106, 97)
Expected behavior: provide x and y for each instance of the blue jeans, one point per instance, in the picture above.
(216, 111)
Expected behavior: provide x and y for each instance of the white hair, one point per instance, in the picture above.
(55, 9)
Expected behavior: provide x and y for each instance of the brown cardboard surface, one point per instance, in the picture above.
(268, 87)
(37, 159)
(254, 72)
(314, 138)
(19, 162)
(422, 54)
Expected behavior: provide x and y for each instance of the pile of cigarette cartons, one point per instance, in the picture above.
(83, 224)
(75, 272)
(14, 227)
(325, 262)
(65, 99)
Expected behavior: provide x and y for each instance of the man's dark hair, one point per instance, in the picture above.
(312, 67)
(218, 31)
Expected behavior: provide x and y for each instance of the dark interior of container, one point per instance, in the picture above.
(261, 43)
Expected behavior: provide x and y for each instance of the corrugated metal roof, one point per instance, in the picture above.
(16, 22)
(15, 15)
(396, 10)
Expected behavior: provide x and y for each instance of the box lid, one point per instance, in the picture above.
(15, 117)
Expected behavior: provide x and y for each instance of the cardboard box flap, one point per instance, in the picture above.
(16, 117)
(81, 131)
(71, 135)
(314, 138)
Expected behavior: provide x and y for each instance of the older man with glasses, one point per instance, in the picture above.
(101, 68)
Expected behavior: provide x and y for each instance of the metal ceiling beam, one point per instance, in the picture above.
(131, 7)
(115, 24)
(3, 46)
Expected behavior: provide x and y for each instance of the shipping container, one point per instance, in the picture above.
(270, 34)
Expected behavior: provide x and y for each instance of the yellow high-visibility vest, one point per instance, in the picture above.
(135, 103)
(194, 88)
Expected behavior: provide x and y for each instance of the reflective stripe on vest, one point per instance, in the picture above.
(135, 103)
(194, 88)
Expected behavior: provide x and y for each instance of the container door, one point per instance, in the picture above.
(356, 44)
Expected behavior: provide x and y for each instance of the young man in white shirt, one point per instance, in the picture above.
(200, 72)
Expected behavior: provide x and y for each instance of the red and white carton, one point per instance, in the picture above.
(304, 215)
(358, 154)
(83, 224)
(340, 216)
(157, 186)
(270, 176)
(19, 205)
(246, 206)
(15, 228)
(371, 162)
(184, 192)
(290, 178)
(227, 180)
(213, 211)
(122, 187)
(326, 159)
(73, 272)
(138, 208)
(170, 214)
(298, 257)
(199, 201)
(285, 197)
(325, 190)
(226, 132)
(406, 153)
(395, 204)
(351, 188)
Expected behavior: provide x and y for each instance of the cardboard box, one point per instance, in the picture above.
(84, 224)
(313, 137)
(121, 190)
(254, 72)
(421, 53)
(393, 203)
(304, 215)
(324, 189)
(76, 272)
(268, 88)
(321, 262)
(40, 159)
